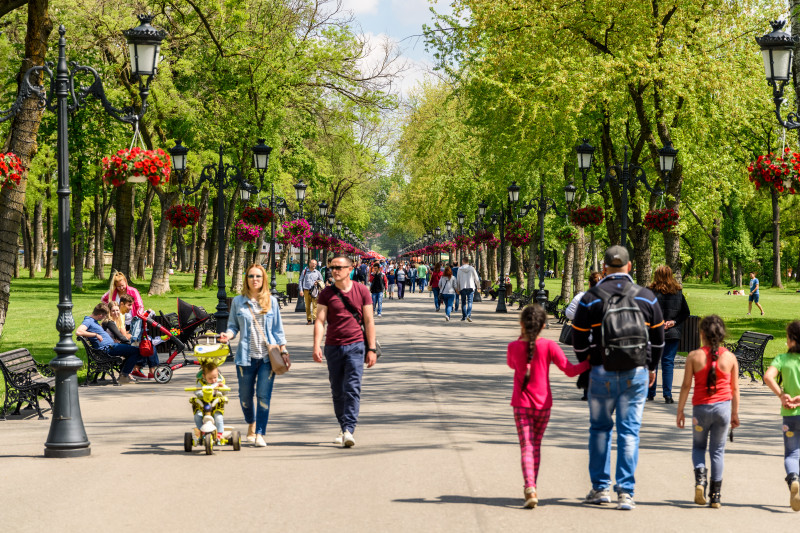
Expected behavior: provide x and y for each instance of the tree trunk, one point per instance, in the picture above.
(284, 258)
(593, 246)
(78, 233)
(192, 244)
(644, 269)
(579, 262)
(239, 255)
(484, 255)
(532, 270)
(491, 264)
(506, 266)
(159, 282)
(142, 240)
(99, 249)
(566, 277)
(16, 258)
(715, 249)
(48, 232)
(518, 272)
(200, 243)
(123, 232)
(211, 275)
(27, 242)
(38, 232)
(776, 240)
(731, 272)
(180, 247)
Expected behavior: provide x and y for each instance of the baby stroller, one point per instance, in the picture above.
(183, 329)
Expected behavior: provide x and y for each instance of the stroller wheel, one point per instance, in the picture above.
(236, 440)
(188, 441)
(208, 440)
(163, 374)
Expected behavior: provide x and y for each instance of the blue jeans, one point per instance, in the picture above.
(466, 302)
(377, 302)
(421, 282)
(413, 285)
(345, 369)
(260, 371)
(791, 444)
(710, 424)
(623, 392)
(129, 353)
(218, 421)
(435, 292)
(448, 303)
(401, 289)
(667, 367)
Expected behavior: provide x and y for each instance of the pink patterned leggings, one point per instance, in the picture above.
(531, 424)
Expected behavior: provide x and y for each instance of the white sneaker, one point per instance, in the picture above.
(447, 319)
(340, 439)
(469, 319)
(625, 502)
(348, 440)
(598, 497)
(260, 443)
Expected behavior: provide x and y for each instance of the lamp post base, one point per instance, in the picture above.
(501, 300)
(67, 437)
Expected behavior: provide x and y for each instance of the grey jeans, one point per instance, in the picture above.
(710, 423)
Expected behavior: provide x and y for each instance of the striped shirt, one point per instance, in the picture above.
(258, 345)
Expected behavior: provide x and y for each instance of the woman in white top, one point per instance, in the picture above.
(448, 289)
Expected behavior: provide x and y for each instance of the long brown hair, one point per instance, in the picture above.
(713, 329)
(448, 272)
(263, 296)
(532, 318)
(664, 281)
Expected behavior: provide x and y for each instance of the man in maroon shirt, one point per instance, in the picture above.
(345, 343)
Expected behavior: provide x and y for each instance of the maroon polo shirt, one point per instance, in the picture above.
(342, 327)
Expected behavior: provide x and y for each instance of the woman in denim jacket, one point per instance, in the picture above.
(252, 360)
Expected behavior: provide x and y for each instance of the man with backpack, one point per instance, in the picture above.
(377, 284)
(311, 283)
(619, 326)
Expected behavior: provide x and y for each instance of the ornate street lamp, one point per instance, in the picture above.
(505, 216)
(543, 205)
(300, 194)
(777, 48)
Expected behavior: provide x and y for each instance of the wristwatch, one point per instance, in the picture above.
(372, 350)
(284, 352)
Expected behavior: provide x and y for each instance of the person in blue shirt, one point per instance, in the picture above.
(753, 295)
(91, 329)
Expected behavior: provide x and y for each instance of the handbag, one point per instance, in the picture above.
(279, 362)
(566, 334)
(357, 318)
(145, 347)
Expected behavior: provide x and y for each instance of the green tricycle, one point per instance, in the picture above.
(208, 435)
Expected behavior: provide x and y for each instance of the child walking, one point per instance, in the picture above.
(530, 358)
(715, 405)
(788, 366)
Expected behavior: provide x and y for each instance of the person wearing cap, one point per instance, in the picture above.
(623, 392)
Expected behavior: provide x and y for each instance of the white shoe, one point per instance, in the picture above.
(260, 443)
(447, 319)
(340, 439)
(250, 438)
(469, 319)
(348, 440)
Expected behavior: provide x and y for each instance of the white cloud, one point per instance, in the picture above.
(361, 7)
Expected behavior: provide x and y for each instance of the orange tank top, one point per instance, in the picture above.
(701, 394)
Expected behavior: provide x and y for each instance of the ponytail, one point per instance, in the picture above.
(713, 329)
(533, 319)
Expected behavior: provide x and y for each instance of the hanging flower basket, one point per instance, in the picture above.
(463, 241)
(137, 166)
(297, 231)
(567, 235)
(587, 216)
(780, 173)
(247, 232)
(320, 240)
(10, 170)
(259, 216)
(516, 234)
(483, 236)
(492, 243)
(661, 219)
(182, 215)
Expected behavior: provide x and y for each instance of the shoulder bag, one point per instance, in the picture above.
(566, 334)
(358, 319)
(280, 363)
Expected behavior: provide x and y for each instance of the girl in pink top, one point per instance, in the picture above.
(530, 357)
(715, 405)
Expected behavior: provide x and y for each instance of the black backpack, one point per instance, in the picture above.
(377, 284)
(624, 335)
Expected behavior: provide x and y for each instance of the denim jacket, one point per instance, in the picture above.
(241, 319)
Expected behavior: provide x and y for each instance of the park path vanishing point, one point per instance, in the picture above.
(436, 451)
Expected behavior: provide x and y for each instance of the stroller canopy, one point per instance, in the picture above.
(190, 315)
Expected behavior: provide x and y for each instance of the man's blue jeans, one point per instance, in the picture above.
(256, 379)
(345, 369)
(129, 353)
(466, 302)
(377, 302)
(413, 285)
(623, 392)
(422, 282)
(435, 292)
(667, 368)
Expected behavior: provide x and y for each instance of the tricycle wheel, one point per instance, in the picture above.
(236, 440)
(208, 440)
(188, 441)
(163, 374)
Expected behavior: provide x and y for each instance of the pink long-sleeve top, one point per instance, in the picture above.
(537, 394)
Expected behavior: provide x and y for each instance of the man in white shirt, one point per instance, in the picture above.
(467, 281)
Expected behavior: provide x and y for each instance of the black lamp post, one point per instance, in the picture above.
(543, 205)
(223, 175)
(300, 193)
(777, 49)
(67, 436)
(627, 175)
(323, 217)
(505, 216)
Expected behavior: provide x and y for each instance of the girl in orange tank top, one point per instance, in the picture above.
(715, 372)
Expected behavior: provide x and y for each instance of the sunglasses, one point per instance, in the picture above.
(339, 267)
(254, 276)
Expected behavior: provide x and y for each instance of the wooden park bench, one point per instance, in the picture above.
(100, 363)
(749, 351)
(26, 380)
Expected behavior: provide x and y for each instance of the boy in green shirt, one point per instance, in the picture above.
(788, 366)
(422, 273)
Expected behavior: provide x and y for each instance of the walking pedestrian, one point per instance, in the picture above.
(401, 274)
(349, 344)
(454, 268)
(311, 283)
(625, 323)
(530, 357)
(468, 282)
(412, 276)
(256, 314)
(448, 290)
(436, 274)
(391, 277)
(754, 295)
(787, 365)
(715, 405)
(675, 311)
(422, 275)
(377, 285)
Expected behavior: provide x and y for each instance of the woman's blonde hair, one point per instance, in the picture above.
(120, 320)
(112, 289)
(263, 297)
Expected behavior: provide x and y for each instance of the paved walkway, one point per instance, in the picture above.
(436, 451)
